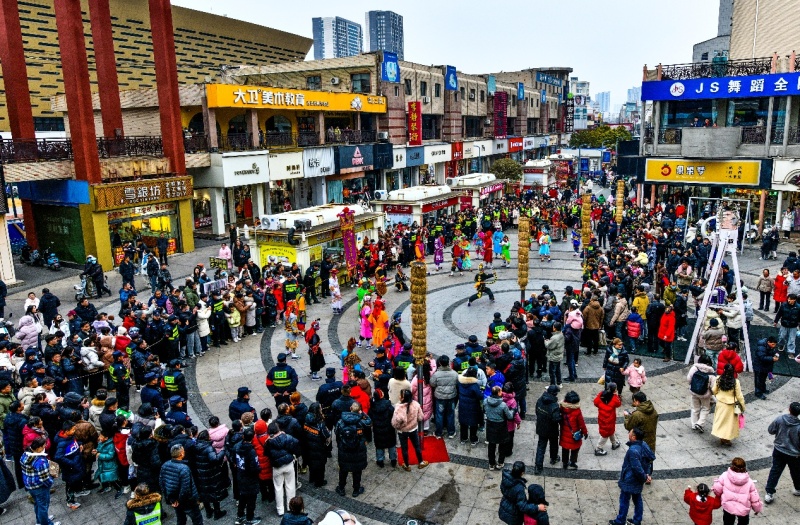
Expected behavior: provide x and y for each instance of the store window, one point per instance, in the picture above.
(463, 93)
(280, 195)
(748, 111)
(314, 82)
(483, 96)
(242, 203)
(279, 124)
(393, 180)
(437, 90)
(472, 127)
(407, 85)
(360, 83)
(201, 205)
(146, 222)
(423, 88)
(48, 124)
(681, 113)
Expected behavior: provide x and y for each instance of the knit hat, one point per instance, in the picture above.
(260, 427)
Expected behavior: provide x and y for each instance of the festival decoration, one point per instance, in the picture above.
(524, 238)
(347, 224)
(419, 314)
(620, 201)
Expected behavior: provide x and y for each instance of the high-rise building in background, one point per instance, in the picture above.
(385, 32)
(603, 101)
(635, 94)
(336, 37)
(719, 46)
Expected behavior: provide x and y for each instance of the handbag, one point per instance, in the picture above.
(603, 341)
(741, 421)
(576, 434)
(54, 468)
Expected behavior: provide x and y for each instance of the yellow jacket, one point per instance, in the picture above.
(641, 302)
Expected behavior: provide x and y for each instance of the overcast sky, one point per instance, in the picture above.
(605, 41)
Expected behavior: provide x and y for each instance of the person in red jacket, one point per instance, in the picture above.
(572, 424)
(730, 355)
(701, 505)
(607, 403)
(265, 475)
(666, 332)
(780, 290)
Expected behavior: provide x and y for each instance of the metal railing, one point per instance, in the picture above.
(670, 136)
(794, 135)
(195, 143)
(34, 150)
(754, 135)
(350, 136)
(236, 142)
(777, 135)
(151, 146)
(731, 68)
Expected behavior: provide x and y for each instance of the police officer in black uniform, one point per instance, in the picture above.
(175, 381)
(177, 413)
(281, 380)
(461, 360)
(121, 379)
(217, 319)
(495, 327)
(329, 392)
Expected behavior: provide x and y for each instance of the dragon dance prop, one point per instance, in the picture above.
(419, 314)
(524, 239)
(620, 201)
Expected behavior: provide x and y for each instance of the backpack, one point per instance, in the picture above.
(349, 439)
(699, 383)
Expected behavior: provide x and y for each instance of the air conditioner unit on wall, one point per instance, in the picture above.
(383, 136)
(426, 100)
(335, 81)
(381, 195)
(302, 225)
(472, 96)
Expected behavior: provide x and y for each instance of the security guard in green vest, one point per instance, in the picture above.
(495, 327)
(121, 379)
(144, 508)
(217, 319)
(281, 380)
(461, 360)
(174, 381)
(474, 348)
(290, 289)
(405, 359)
(172, 335)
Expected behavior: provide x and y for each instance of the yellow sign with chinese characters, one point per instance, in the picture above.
(685, 171)
(258, 97)
(281, 252)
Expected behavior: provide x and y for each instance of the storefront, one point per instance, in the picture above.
(537, 175)
(394, 175)
(323, 237)
(231, 191)
(457, 166)
(285, 182)
(146, 210)
(318, 163)
(515, 148)
(785, 193)
(418, 203)
(435, 159)
(349, 183)
(481, 151)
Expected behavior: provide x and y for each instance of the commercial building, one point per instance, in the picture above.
(385, 32)
(603, 100)
(717, 47)
(335, 37)
(580, 90)
(761, 28)
(726, 132)
(203, 43)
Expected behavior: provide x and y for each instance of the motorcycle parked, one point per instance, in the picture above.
(7, 327)
(51, 260)
(30, 256)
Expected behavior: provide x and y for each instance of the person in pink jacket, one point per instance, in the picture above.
(636, 375)
(513, 424)
(738, 494)
(427, 396)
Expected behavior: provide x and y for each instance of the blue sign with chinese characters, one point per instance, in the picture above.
(491, 84)
(606, 157)
(450, 78)
(772, 85)
(544, 96)
(520, 91)
(390, 68)
(548, 79)
(584, 165)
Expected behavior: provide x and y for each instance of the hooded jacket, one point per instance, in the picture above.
(635, 466)
(646, 418)
(607, 414)
(700, 367)
(514, 504)
(548, 415)
(571, 421)
(555, 347)
(593, 316)
(470, 397)
(700, 512)
(445, 383)
(738, 493)
(141, 505)
(786, 429)
(28, 332)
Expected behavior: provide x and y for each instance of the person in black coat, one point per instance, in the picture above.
(352, 460)
(3, 294)
(548, 423)
(232, 440)
(514, 503)
(324, 274)
(384, 434)
(247, 469)
(241, 404)
(317, 440)
(615, 361)
(329, 392)
(144, 452)
(212, 475)
(48, 306)
(14, 422)
(470, 397)
(282, 448)
(765, 358)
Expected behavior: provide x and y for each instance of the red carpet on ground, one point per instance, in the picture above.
(433, 451)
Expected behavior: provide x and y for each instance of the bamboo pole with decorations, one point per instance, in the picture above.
(620, 201)
(419, 322)
(586, 223)
(524, 238)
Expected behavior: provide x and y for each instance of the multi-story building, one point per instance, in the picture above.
(634, 95)
(761, 28)
(603, 100)
(335, 37)
(717, 47)
(203, 43)
(385, 32)
(580, 90)
(724, 132)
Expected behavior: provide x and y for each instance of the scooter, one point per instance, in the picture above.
(30, 256)
(51, 260)
(85, 290)
(7, 327)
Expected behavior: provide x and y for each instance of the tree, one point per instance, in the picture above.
(506, 169)
(600, 137)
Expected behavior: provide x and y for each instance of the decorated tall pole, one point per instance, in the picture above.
(419, 320)
(586, 222)
(524, 238)
(620, 201)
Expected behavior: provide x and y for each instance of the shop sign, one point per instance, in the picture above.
(403, 209)
(202, 222)
(352, 159)
(218, 263)
(548, 79)
(514, 144)
(281, 252)
(569, 118)
(318, 162)
(499, 146)
(414, 123)
(399, 158)
(466, 203)
(486, 190)
(773, 85)
(450, 78)
(60, 225)
(284, 166)
(457, 150)
(683, 171)
(436, 153)
(256, 97)
(142, 210)
(127, 194)
(529, 143)
(467, 149)
(439, 205)
(390, 68)
(520, 91)
(415, 156)
(491, 85)
(481, 148)
(500, 109)
(552, 140)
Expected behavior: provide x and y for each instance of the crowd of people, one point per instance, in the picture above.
(65, 384)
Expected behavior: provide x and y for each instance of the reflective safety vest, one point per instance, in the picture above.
(175, 333)
(119, 372)
(151, 518)
(291, 288)
(460, 363)
(169, 382)
(281, 379)
(218, 305)
(496, 329)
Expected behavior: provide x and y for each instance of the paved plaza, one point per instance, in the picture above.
(463, 491)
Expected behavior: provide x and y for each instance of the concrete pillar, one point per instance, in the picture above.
(778, 207)
(231, 205)
(210, 124)
(75, 70)
(6, 257)
(761, 205)
(358, 120)
(768, 132)
(251, 120)
(15, 73)
(653, 195)
(321, 127)
(259, 200)
(217, 196)
(167, 82)
(107, 82)
(787, 126)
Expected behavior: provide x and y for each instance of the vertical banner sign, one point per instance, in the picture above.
(414, 123)
(347, 224)
(491, 85)
(544, 96)
(520, 91)
(390, 68)
(584, 165)
(569, 119)
(450, 78)
(500, 107)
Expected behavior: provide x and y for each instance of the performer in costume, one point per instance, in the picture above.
(316, 358)
(336, 292)
(544, 246)
(481, 286)
(380, 279)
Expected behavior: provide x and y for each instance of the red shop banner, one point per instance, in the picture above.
(466, 203)
(439, 205)
(457, 149)
(414, 124)
(401, 209)
(514, 144)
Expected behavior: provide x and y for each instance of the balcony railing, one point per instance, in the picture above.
(35, 150)
(794, 135)
(195, 143)
(777, 135)
(670, 136)
(236, 142)
(731, 68)
(130, 147)
(754, 135)
(350, 136)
